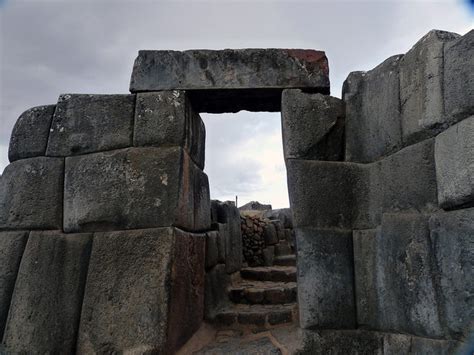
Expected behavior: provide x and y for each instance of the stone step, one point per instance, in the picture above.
(263, 292)
(285, 260)
(270, 273)
(262, 316)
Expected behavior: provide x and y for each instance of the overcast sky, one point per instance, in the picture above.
(88, 46)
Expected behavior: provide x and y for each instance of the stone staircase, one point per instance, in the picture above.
(262, 297)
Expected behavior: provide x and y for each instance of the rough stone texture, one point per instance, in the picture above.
(421, 87)
(202, 200)
(30, 134)
(365, 265)
(270, 234)
(458, 77)
(231, 80)
(454, 154)
(325, 278)
(134, 188)
(212, 251)
(268, 255)
(312, 126)
(12, 245)
(46, 304)
(452, 242)
(31, 194)
(157, 273)
(227, 213)
(255, 206)
(283, 214)
(167, 118)
(408, 179)
(215, 295)
(91, 123)
(406, 278)
(373, 112)
(341, 198)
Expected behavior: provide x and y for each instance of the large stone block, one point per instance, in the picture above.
(365, 265)
(30, 134)
(166, 118)
(452, 242)
(373, 112)
(331, 194)
(134, 188)
(12, 245)
(202, 200)
(408, 179)
(46, 304)
(458, 77)
(144, 292)
(406, 279)
(454, 154)
(312, 126)
(227, 214)
(216, 290)
(31, 194)
(91, 123)
(421, 87)
(231, 80)
(325, 278)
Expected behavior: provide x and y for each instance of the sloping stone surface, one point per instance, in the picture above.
(133, 188)
(31, 194)
(231, 80)
(325, 278)
(458, 77)
(30, 134)
(421, 86)
(166, 118)
(144, 292)
(46, 304)
(312, 126)
(91, 123)
(454, 153)
(373, 112)
(12, 245)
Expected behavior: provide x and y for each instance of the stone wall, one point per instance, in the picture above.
(385, 226)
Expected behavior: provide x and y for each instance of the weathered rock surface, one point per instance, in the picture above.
(255, 206)
(212, 251)
(231, 80)
(452, 244)
(31, 194)
(91, 123)
(167, 118)
(458, 77)
(283, 214)
(421, 87)
(160, 274)
(373, 112)
(215, 296)
(325, 278)
(46, 304)
(134, 188)
(406, 278)
(312, 126)
(12, 245)
(454, 153)
(30, 134)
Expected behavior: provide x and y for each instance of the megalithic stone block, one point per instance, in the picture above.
(458, 77)
(421, 87)
(133, 188)
(30, 134)
(46, 304)
(31, 194)
(91, 123)
(144, 292)
(453, 248)
(312, 126)
(167, 118)
(373, 112)
(454, 154)
(406, 282)
(12, 245)
(231, 80)
(325, 278)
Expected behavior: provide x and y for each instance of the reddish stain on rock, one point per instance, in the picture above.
(317, 59)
